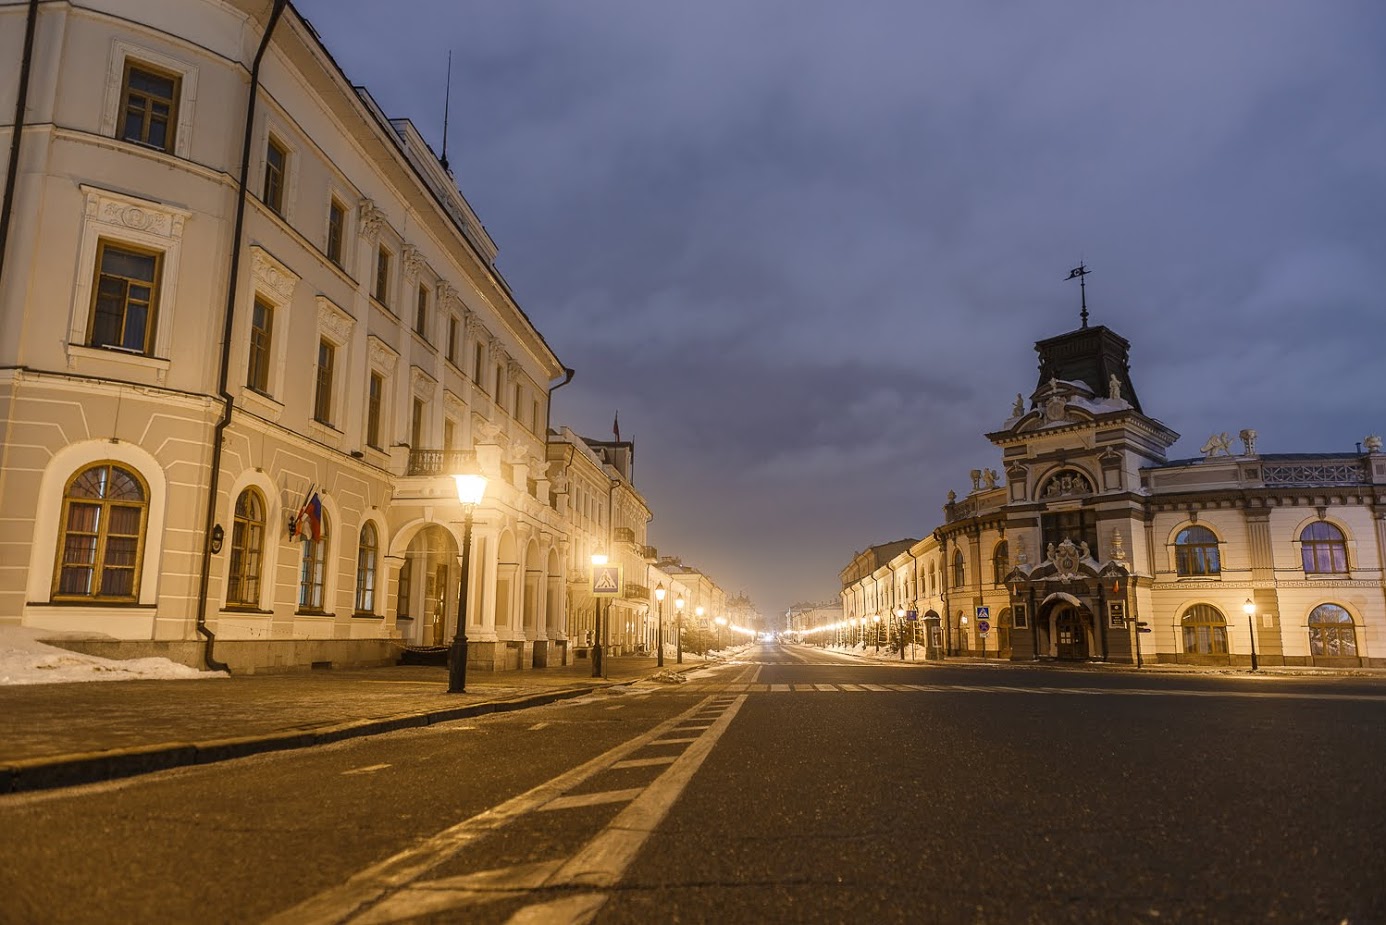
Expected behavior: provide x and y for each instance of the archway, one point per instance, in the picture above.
(1066, 629)
(424, 605)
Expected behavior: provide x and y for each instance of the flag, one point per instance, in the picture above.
(308, 523)
(616, 426)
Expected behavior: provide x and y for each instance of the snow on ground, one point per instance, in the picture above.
(26, 660)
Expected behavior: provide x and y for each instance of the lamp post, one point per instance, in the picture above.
(1250, 608)
(678, 642)
(470, 490)
(721, 622)
(598, 662)
(900, 621)
(699, 612)
(876, 630)
(659, 596)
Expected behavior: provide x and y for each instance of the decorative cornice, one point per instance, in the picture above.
(334, 320)
(421, 383)
(134, 214)
(382, 356)
(411, 260)
(370, 220)
(272, 275)
(454, 404)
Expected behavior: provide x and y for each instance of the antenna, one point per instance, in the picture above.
(447, 100)
(1081, 271)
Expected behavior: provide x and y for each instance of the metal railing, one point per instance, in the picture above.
(440, 462)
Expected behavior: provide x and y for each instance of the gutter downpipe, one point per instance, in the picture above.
(21, 103)
(219, 431)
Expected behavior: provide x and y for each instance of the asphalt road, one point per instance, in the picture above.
(793, 786)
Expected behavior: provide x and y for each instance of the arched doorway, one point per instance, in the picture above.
(424, 600)
(1065, 629)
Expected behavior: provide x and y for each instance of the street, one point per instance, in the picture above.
(791, 785)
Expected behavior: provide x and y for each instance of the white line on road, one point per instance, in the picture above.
(367, 769)
(537, 726)
(593, 799)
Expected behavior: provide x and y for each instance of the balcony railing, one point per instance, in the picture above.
(440, 462)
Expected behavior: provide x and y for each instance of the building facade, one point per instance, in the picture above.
(1090, 544)
(250, 328)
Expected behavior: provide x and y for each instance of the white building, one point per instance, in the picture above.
(177, 378)
(1088, 542)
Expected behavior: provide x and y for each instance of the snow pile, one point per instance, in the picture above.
(26, 660)
(665, 676)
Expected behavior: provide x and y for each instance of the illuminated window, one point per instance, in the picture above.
(1205, 630)
(1324, 549)
(126, 298)
(959, 571)
(1196, 552)
(1331, 632)
(247, 546)
(151, 106)
(365, 569)
(102, 541)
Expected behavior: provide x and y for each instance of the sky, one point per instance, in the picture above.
(805, 248)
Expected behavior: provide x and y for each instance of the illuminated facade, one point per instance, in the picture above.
(1087, 542)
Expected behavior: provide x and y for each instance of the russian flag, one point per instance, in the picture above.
(309, 520)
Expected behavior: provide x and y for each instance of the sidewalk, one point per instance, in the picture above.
(58, 735)
(1303, 671)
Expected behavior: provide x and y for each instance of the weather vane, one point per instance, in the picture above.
(1081, 271)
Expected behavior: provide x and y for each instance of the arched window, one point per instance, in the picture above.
(101, 546)
(365, 569)
(1331, 631)
(959, 573)
(1205, 630)
(247, 545)
(1196, 552)
(933, 577)
(1001, 562)
(1324, 549)
(310, 581)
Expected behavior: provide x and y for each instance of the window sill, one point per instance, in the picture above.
(325, 433)
(92, 602)
(368, 616)
(1198, 578)
(158, 364)
(315, 613)
(260, 403)
(246, 611)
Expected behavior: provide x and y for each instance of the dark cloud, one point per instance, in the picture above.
(806, 247)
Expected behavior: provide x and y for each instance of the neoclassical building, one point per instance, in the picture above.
(250, 328)
(1086, 542)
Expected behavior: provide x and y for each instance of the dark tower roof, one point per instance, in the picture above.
(1091, 356)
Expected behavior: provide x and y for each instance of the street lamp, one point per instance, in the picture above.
(721, 622)
(1250, 608)
(598, 663)
(876, 630)
(470, 490)
(678, 642)
(900, 621)
(659, 596)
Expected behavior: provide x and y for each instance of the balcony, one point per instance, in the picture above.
(440, 462)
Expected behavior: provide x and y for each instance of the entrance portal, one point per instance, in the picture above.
(1070, 636)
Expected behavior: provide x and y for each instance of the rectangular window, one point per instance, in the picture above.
(276, 166)
(261, 333)
(405, 581)
(421, 313)
(1078, 526)
(127, 288)
(322, 396)
(516, 396)
(534, 416)
(336, 228)
(449, 435)
(416, 424)
(151, 106)
(382, 276)
(500, 381)
(478, 362)
(374, 397)
(452, 339)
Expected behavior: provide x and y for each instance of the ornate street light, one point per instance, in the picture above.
(470, 490)
(678, 642)
(659, 596)
(1250, 608)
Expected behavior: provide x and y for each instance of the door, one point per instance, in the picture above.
(1071, 640)
(436, 602)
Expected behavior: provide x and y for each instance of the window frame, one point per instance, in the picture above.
(261, 345)
(101, 538)
(1191, 558)
(1311, 547)
(133, 63)
(1321, 631)
(322, 382)
(113, 105)
(151, 324)
(313, 572)
(1000, 562)
(334, 246)
(421, 311)
(275, 182)
(367, 570)
(384, 257)
(1215, 636)
(251, 562)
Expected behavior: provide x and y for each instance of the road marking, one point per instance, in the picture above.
(367, 886)
(683, 741)
(537, 726)
(593, 799)
(367, 769)
(779, 687)
(644, 762)
(825, 687)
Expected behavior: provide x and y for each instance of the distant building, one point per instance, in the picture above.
(1088, 534)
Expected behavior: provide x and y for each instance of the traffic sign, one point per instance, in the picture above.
(983, 613)
(606, 580)
(911, 615)
(983, 626)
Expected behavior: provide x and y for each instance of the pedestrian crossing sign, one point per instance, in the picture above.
(606, 580)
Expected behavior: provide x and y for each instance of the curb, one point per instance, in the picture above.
(92, 767)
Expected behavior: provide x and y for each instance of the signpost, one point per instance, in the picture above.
(606, 582)
(983, 627)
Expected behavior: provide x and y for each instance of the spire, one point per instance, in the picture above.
(1081, 271)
